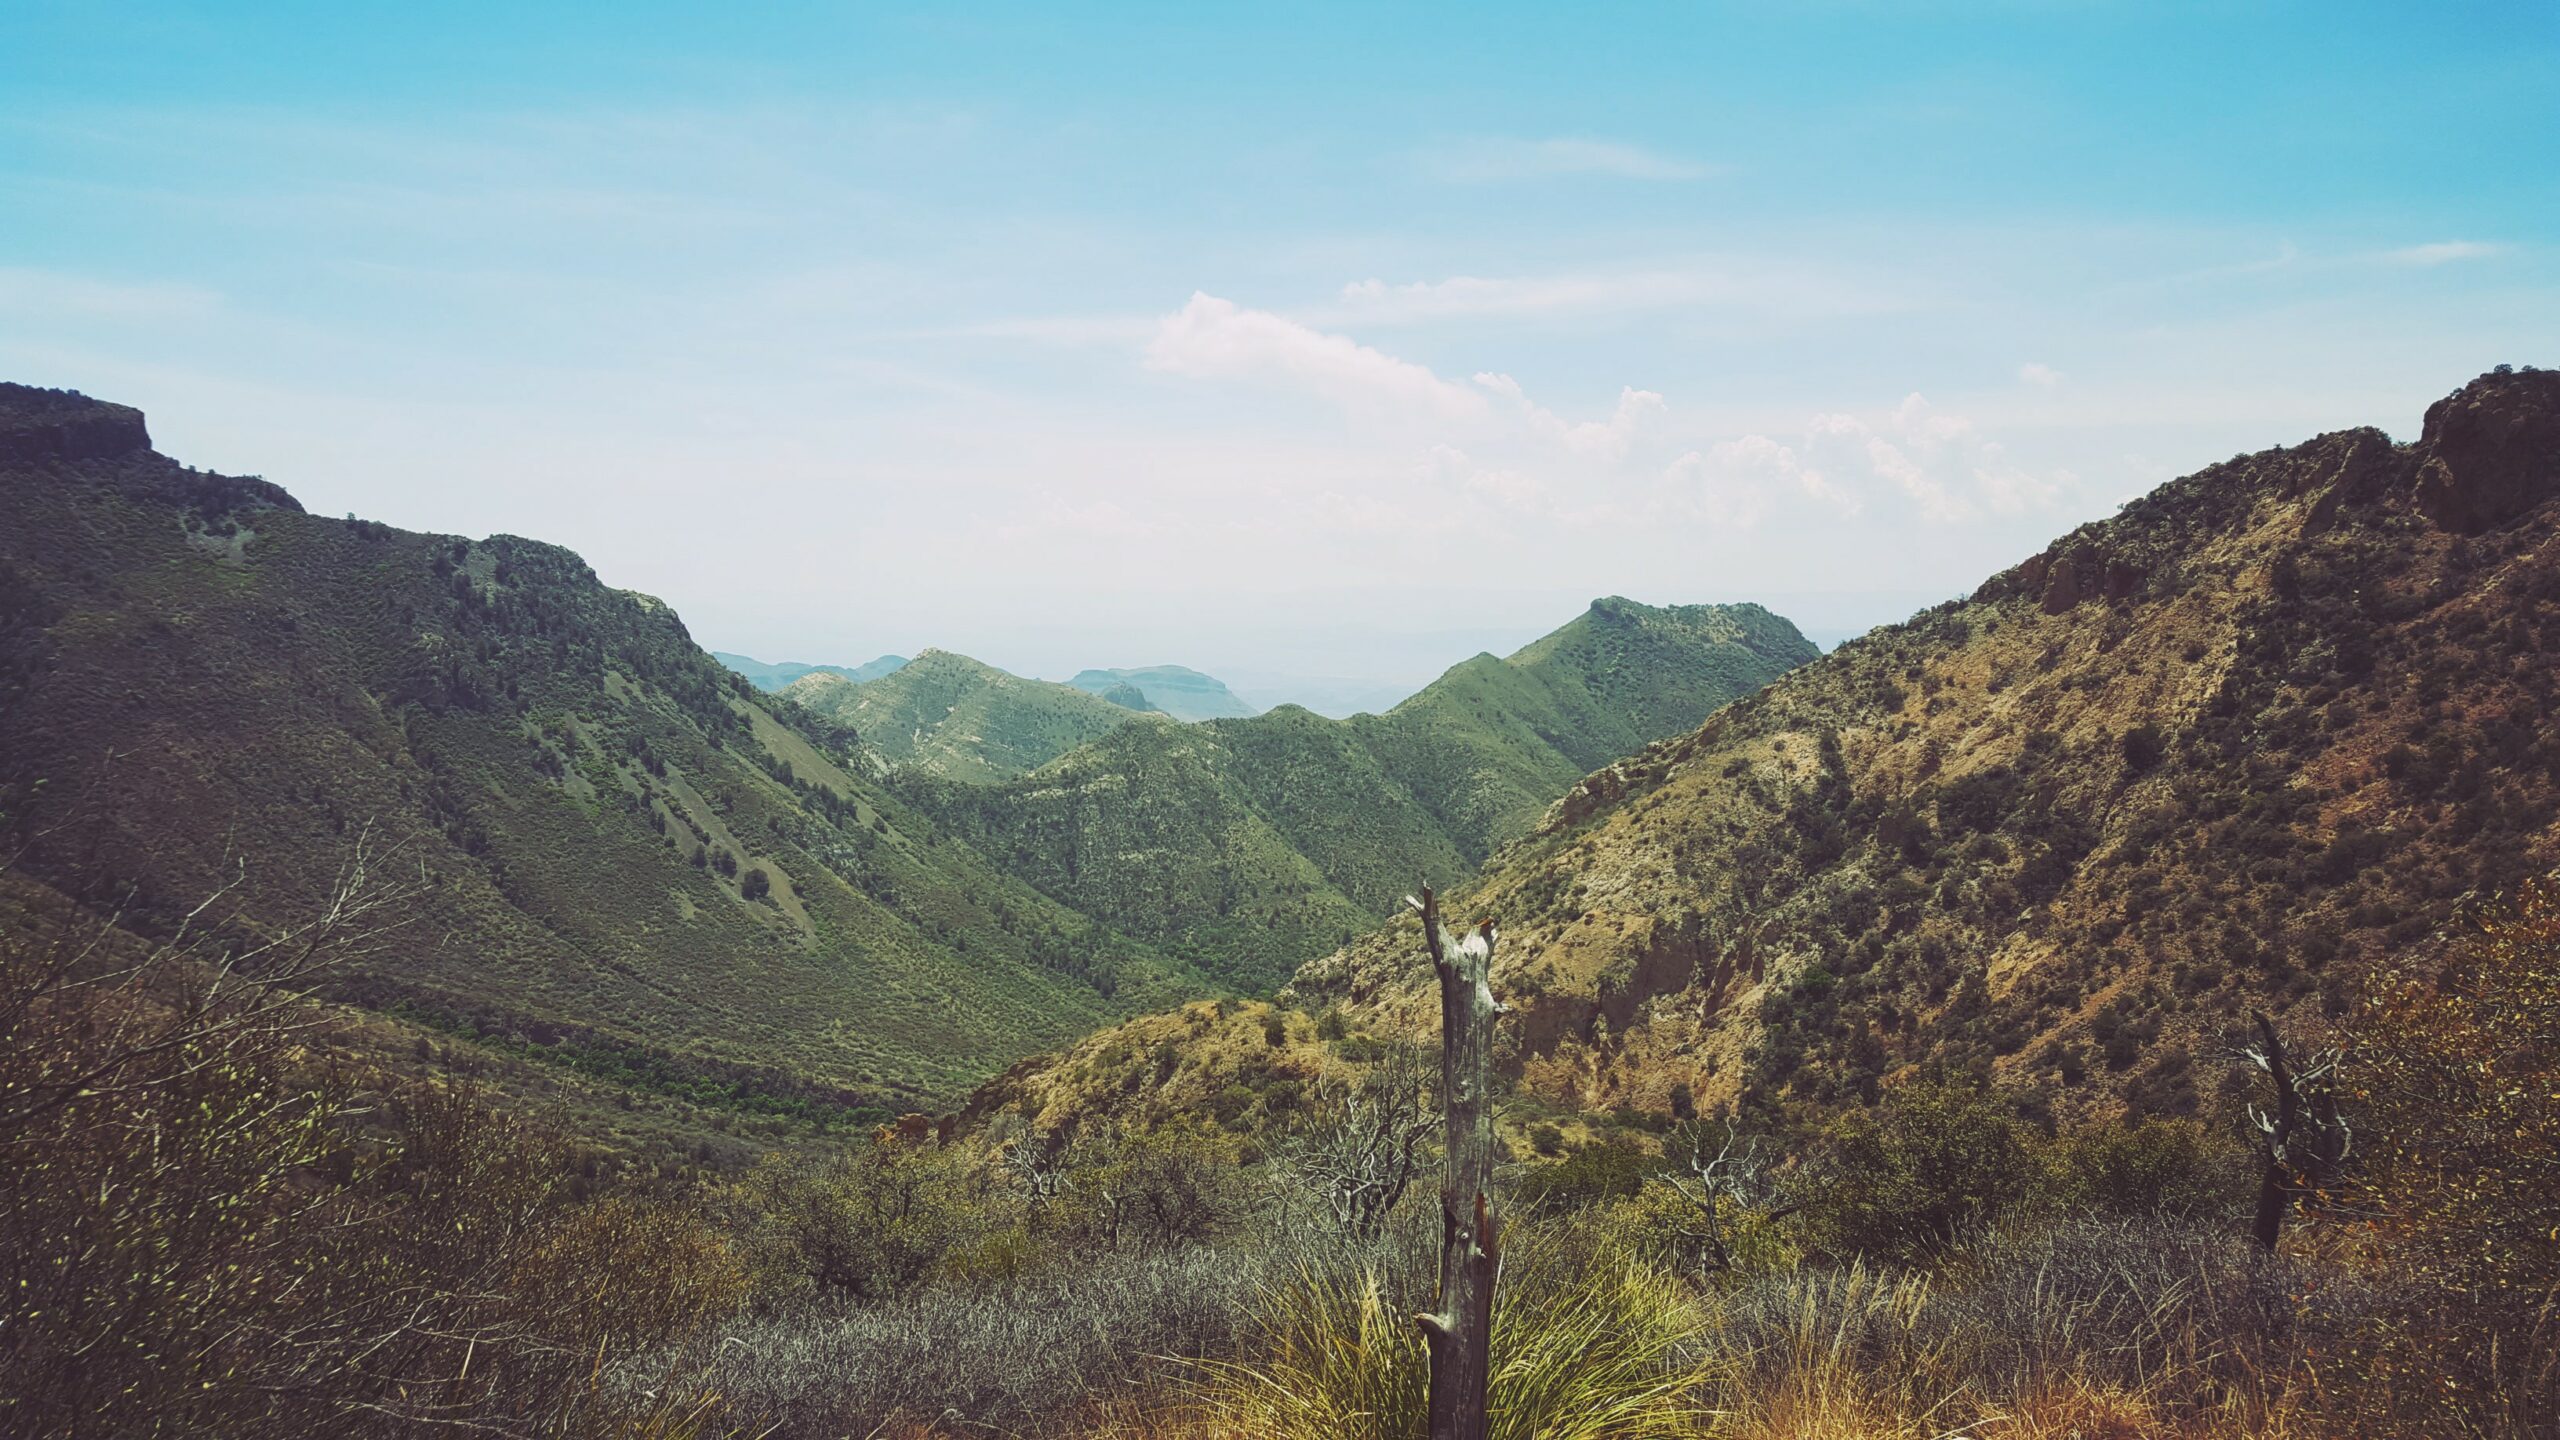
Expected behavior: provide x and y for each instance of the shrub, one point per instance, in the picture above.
(1611, 1170)
(207, 1228)
(2142, 748)
(1921, 1169)
(2168, 1315)
(1155, 1191)
(1978, 801)
(755, 884)
(1021, 1354)
(2460, 1060)
(874, 1221)
(2152, 1167)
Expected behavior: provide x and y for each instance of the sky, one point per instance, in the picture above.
(1306, 345)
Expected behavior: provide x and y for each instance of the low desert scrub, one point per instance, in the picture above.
(2156, 1316)
(1013, 1356)
(1586, 1346)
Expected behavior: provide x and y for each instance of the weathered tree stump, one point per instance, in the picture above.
(1459, 1331)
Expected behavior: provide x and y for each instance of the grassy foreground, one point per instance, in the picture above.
(215, 1220)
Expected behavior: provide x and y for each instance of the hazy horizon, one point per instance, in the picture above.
(1334, 344)
(1367, 674)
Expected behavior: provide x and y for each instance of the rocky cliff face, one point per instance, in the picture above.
(38, 425)
(2487, 455)
(2213, 753)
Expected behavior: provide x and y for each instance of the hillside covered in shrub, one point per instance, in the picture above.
(950, 716)
(2224, 751)
(633, 862)
(1248, 846)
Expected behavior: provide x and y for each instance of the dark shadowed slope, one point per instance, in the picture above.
(194, 674)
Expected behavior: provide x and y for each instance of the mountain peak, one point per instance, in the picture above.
(954, 717)
(2264, 726)
(39, 424)
(1177, 690)
(2486, 453)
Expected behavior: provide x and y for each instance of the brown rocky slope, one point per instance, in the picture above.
(2209, 755)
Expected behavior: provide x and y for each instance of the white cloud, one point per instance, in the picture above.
(1938, 461)
(1738, 482)
(1607, 439)
(1494, 455)
(1494, 159)
(2442, 252)
(1218, 338)
(2043, 377)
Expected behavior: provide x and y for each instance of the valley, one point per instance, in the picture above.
(1109, 722)
(838, 896)
(851, 1011)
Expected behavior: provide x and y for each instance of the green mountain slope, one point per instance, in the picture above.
(2215, 754)
(196, 675)
(1250, 845)
(1181, 693)
(950, 716)
(1489, 745)
(771, 676)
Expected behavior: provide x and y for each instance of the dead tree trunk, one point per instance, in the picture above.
(2305, 1141)
(1460, 1331)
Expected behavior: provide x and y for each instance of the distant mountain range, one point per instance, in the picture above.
(1251, 845)
(1175, 690)
(775, 675)
(950, 716)
(1181, 693)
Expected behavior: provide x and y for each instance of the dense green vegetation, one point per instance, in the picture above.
(770, 676)
(947, 715)
(1250, 846)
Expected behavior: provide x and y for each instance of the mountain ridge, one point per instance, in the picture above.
(1177, 690)
(946, 715)
(2213, 754)
(772, 676)
(624, 845)
(1249, 845)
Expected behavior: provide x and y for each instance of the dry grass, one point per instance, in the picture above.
(2074, 1331)
(1581, 1351)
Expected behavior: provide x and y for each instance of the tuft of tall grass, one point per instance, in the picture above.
(1026, 1354)
(1581, 1351)
(2100, 1328)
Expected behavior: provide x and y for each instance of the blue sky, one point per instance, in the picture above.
(1284, 342)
